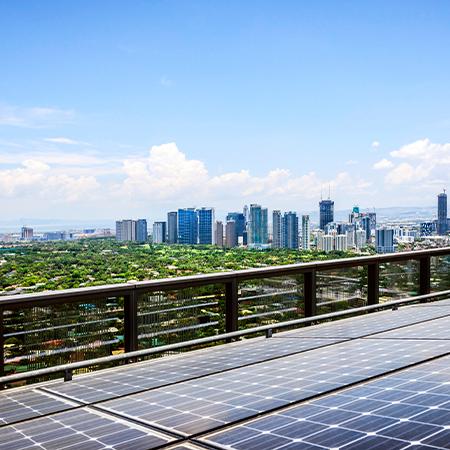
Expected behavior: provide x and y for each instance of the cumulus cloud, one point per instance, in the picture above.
(167, 174)
(36, 179)
(420, 161)
(375, 145)
(383, 164)
(34, 117)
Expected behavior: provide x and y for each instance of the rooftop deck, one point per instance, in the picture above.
(377, 381)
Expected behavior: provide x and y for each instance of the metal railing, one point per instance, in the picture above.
(131, 292)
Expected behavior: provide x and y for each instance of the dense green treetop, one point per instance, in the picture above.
(41, 266)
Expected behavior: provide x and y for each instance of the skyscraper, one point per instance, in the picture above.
(231, 237)
(26, 233)
(172, 227)
(305, 233)
(442, 214)
(205, 226)
(141, 230)
(276, 229)
(159, 232)
(257, 226)
(385, 240)
(126, 230)
(326, 209)
(187, 226)
(239, 218)
(289, 235)
(219, 233)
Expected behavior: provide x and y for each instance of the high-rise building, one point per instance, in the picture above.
(442, 214)
(26, 233)
(289, 238)
(427, 228)
(332, 242)
(231, 237)
(126, 230)
(205, 226)
(365, 223)
(187, 226)
(326, 209)
(360, 238)
(239, 218)
(305, 233)
(141, 230)
(172, 227)
(276, 229)
(219, 233)
(159, 232)
(257, 226)
(385, 240)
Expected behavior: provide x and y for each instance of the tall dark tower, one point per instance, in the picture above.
(326, 208)
(442, 214)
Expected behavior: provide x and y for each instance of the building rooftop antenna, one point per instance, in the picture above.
(329, 191)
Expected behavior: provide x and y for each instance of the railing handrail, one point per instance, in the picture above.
(207, 340)
(78, 294)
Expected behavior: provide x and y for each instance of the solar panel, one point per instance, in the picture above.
(17, 405)
(197, 406)
(83, 429)
(130, 379)
(435, 329)
(368, 324)
(408, 409)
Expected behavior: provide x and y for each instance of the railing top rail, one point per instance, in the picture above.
(211, 278)
(210, 339)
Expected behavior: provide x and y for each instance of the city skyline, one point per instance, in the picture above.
(195, 103)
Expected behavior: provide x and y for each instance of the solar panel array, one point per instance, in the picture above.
(196, 406)
(151, 374)
(409, 409)
(369, 324)
(287, 393)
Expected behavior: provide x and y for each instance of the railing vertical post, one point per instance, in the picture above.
(2, 346)
(130, 322)
(373, 284)
(424, 275)
(231, 306)
(310, 293)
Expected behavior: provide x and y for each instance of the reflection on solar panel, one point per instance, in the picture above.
(199, 405)
(369, 324)
(135, 378)
(17, 405)
(83, 429)
(409, 409)
(436, 329)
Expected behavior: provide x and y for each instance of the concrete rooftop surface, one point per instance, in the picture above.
(377, 381)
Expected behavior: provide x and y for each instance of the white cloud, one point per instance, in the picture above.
(166, 82)
(167, 174)
(423, 163)
(383, 164)
(34, 117)
(35, 179)
(62, 140)
(375, 145)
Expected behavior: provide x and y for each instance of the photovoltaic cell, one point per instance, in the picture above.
(130, 379)
(435, 329)
(197, 406)
(80, 429)
(22, 404)
(368, 416)
(368, 324)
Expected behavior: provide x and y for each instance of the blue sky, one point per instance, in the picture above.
(111, 109)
